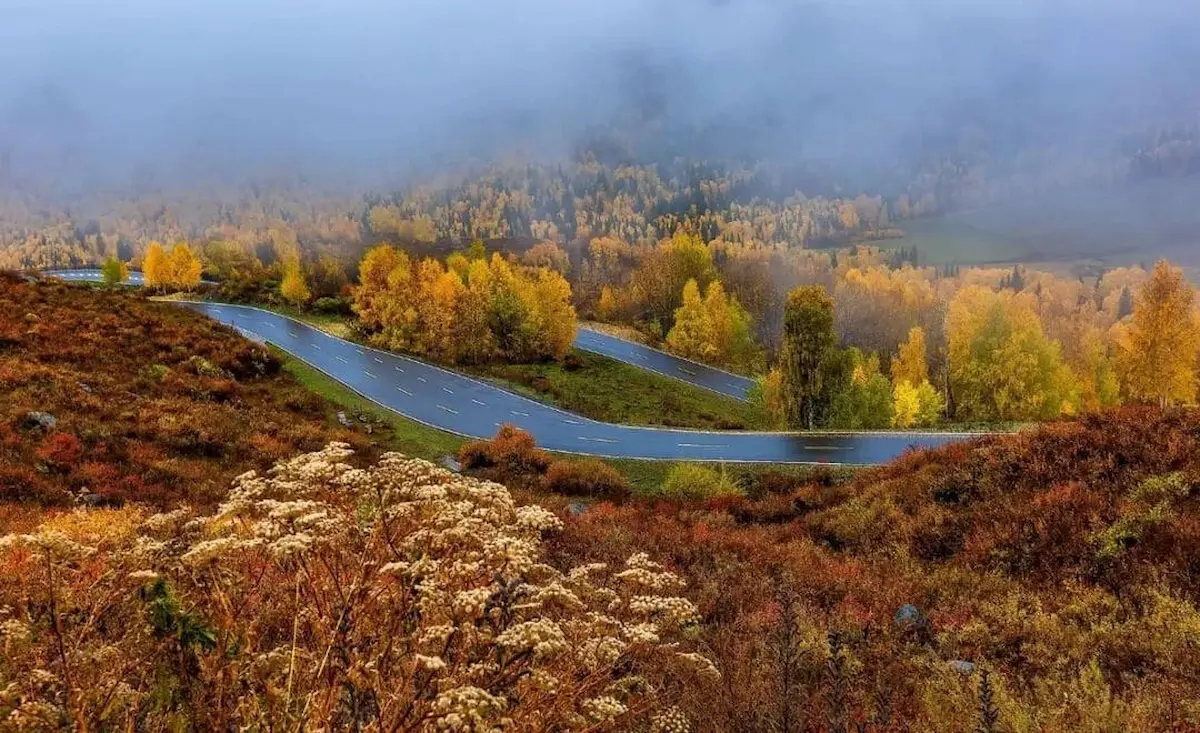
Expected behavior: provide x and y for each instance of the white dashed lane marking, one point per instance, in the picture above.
(341, 359)
(405, 391)
(700, 445)
(447, 409)
(372, 376)
(447, 391)
(318, 348)
(420, 379)
(522, 414)
(378, 360)
(598, 440)
(399, 370)
(572, 422)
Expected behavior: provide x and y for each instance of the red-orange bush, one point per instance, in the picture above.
(587, 477)
(511, 453)
(60, 448)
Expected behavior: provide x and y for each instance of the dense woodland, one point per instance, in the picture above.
(604, 191)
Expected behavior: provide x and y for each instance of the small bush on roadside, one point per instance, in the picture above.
(588, 477)
(332, 306)
(512, 452)
(697, 482)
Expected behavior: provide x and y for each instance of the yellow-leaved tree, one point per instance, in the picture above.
(294, 289)
(1159, 347)
(374, 274)
(553, 316)
(691, 336)
(154, 266)
(918, 406)
(114, 271)
(912, 361)
(183, 268)
(606, 306)
(473, 311)
(1002, 365)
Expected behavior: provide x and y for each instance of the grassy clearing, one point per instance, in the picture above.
(605, 389)
(1143, 221)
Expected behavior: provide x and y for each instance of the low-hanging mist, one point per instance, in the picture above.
(132, 92)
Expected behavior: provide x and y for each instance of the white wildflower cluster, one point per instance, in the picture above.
(699, 663)
(211, 551)
(604, 709)
(542, 636)
(13, 632)
(642, 571)
(167, 522)
(466, 709)
(671, 720)
(427, 589)
(677, 612)
(52, 543)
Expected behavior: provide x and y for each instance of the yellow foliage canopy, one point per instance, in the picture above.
(1159, 349)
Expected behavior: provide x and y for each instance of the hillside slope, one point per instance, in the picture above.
(1063, 560)
(150, 402)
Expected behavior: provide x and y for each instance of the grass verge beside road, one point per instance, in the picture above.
(396, 432)
(594, 386)
(605, 389)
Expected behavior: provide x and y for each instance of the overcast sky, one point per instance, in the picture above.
(111, 85)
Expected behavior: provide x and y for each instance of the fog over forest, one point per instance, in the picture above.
(116, 91)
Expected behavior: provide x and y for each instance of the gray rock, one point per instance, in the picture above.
(85, 387)
(452, 464)
(910, 617)
(962, 666)
(577, 508)
(345, 421)
(42, 420)
(88, 499)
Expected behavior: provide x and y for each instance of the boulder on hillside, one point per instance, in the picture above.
(38, 420)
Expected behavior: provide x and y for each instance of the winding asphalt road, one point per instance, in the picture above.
(463, 405)
(685, 370)
(694, 373)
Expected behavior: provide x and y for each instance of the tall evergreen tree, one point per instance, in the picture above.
(808, 340)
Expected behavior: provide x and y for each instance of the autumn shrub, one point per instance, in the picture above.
(512, 453)
(60, 449)
(588, 477)
(322, 596)
(696, 481)
(338, 306)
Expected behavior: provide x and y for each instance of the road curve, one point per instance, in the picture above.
(463, 405)
(639, 355)
(669, 365)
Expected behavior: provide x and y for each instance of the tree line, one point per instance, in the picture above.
(470, 310)
(998, 364)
